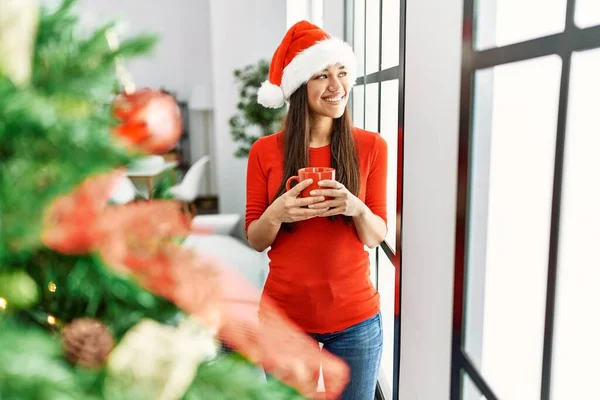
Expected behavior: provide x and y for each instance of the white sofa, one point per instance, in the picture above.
(237, 255)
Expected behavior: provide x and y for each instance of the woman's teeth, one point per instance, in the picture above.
(334, 99)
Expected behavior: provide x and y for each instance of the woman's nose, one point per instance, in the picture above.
(334, 84)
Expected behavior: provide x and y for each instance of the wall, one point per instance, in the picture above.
(333, 17)
(201, 42)
(242, 32)
(181, 58)
(433, 59)
(297, 10)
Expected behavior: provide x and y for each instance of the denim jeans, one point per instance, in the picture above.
(360, 347)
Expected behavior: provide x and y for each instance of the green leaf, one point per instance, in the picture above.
(232, 377)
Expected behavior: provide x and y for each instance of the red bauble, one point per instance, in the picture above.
(151, 120)
(71, 222)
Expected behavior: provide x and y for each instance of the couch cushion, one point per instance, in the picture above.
(232, 252)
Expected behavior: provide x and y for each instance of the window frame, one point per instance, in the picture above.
(563, 44)
(385, 250)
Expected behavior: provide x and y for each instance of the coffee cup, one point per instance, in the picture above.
(316, 174)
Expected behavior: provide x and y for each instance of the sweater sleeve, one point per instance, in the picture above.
(376, 193)
(257, 196)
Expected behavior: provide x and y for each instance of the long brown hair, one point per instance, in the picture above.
(296, 143)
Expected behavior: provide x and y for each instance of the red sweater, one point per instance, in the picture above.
(319, 273)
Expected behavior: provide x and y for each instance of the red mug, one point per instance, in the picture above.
(316, 174)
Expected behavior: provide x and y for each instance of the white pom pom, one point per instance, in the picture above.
(270, 96)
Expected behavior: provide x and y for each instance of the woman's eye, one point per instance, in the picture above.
(343, 73)
(323, 76)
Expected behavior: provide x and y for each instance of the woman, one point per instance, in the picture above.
(319, 269)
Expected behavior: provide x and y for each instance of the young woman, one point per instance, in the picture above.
(319, 269)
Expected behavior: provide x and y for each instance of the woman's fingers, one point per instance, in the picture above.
(300, 214)
(334, 211)
(328, 192)
(327, 183)
(326, 204)
(307, 201)
(295, 191)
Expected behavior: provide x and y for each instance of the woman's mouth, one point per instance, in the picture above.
(334, 99)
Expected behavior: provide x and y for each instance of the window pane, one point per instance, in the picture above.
(372, 107)
(389, 131)
(359, 36)
(470, 391)
(509, 222)
(577, 329)
(296, 11)
(372, 263)
(387, 279)
(316, 12)
(390, 56)
(372, 37)
(503, 22)
(358, 106)
(587, 13)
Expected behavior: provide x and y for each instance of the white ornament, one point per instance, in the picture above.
(161, 359)
(19, 21)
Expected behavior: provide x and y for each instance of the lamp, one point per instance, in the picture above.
(201, 98)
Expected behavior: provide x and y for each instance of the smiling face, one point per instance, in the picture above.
(328, 91)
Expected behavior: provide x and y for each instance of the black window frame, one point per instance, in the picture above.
(563, 44)
(392, 73)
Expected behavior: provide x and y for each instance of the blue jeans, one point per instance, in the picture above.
(360, 347)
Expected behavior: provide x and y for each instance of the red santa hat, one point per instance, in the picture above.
(305, 50)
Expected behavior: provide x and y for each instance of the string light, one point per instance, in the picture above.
(3, 303)
(52, 287)
(51, 320)
(124, 75)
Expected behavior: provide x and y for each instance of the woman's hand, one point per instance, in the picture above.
(291, 208)
(343, 202)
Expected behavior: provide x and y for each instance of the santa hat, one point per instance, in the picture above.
(305, 50)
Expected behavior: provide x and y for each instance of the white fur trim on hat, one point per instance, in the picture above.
(270, 95)
(302, 67)
(316, 58)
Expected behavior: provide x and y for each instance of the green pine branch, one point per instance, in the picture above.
(232, 377)
(56, 131)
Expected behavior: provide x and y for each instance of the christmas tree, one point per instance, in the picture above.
(101, 301)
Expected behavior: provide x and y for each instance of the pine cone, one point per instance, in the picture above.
(87, 342)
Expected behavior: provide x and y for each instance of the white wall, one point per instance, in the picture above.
(201, 42)
(179, 59)
(333, 17)
(297, 10)
(242, 32)
(433, 45)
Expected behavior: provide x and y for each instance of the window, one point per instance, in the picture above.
(514, 146)
(309, 10)
(576, 347)
(389, 131)
(527, 216)
(377, 106)
(386, 286)
(517, 20)
(587, 13)
(390, 33)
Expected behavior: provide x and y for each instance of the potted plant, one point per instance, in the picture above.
(252, 120)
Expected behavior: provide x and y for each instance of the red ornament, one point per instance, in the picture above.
(71, 221)
(140, 240)
(143, 244)
(151, 120)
